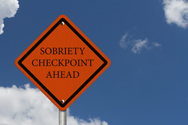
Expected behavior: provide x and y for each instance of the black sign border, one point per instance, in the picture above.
(84, 40)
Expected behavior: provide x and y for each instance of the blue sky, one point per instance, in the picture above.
(146, 42)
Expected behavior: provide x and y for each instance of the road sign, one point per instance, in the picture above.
(62, 62)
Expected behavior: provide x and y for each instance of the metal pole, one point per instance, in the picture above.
(62, 117)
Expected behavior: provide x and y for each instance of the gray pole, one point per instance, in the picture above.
(62, 117)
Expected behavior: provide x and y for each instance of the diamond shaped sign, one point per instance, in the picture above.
(62, 62)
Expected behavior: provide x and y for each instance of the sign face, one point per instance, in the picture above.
(62, 62)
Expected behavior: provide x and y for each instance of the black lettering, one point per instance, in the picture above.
(49, 74)
(75, 62)
(48, 52)
(70, 51)
(82, 62)
(54, 51)
(60, 51)
(82, 50)
(48, 62)
(60, 62)
(42, 50)
(42, 62)
(33, 62)
(65, 49)
(62, 74)
(78, 62)
(91, 61)
(66, 62)
(53, 62)
(75, 48)
(69, 74)
(55, 74)
(75, 74)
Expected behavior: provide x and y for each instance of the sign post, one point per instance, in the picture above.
(62, 62)
(62, 117)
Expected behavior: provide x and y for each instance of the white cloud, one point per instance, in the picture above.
(28, 106)
(176, 11)
(123, 44)
(156, 44)
(8, 8)
(139, 44)
(136, 45)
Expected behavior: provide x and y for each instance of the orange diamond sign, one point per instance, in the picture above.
(62, 62)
